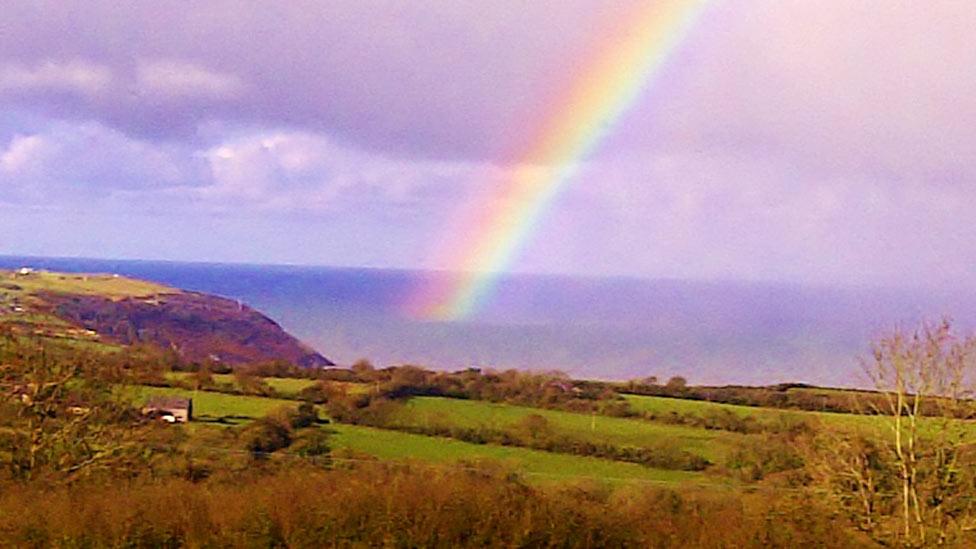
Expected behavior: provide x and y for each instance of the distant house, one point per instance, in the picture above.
(24, 271)
(169, 409)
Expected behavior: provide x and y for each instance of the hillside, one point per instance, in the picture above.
(115, 310)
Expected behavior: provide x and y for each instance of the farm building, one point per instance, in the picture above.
(169, 409)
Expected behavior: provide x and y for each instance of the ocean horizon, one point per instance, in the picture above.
(750, 333)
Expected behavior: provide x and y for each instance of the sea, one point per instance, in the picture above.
(710, 332)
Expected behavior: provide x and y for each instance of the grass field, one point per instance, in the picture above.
(665, 405)
(23, 308)
(393, 445)
(426, 411)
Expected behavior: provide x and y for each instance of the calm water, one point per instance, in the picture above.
(727, 332)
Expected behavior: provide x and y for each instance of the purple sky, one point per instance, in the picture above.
(826, 142)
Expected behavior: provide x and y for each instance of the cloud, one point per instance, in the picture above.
(879, 83)
(23, 154)
(175, 79)
(75, 77)
(81, 164)
(431, 80)
(726, 217)
(301, 171)
(92, 166)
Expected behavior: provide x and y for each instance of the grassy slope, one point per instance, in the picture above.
(83, 284)
(712, 445)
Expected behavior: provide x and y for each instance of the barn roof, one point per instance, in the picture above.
(168, 402)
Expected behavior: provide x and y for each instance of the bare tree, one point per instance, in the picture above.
(908, 480)
(926, 379)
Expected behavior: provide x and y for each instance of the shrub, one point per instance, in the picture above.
(304, 416)
(268, 434)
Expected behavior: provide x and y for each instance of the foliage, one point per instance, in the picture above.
(911, 483)
(402, 506)
(58, 419)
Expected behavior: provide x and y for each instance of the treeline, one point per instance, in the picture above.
(787, 396)
(546, 390)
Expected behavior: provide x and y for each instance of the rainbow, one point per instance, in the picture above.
(626, 61)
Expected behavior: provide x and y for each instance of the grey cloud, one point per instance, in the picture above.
(435, 79)
(879, 83)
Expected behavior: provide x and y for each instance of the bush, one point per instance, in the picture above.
(319, 393)
(755, 459)
(312, 443)
(304, 416)
(268, 434)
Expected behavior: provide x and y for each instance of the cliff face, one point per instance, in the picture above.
(197, 326)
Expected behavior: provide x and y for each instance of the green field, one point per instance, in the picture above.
(432, 411)
(435, 411)
(666, 405)
(393, 445)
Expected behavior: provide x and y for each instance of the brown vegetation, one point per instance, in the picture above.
(404, 506)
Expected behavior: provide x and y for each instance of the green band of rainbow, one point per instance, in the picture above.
(609, 83)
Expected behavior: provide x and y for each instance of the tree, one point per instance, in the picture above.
(911, 481)
(267, 435)
(202, 378)
(364, 370)
(677, 382)
(251, 384)
(57, 419)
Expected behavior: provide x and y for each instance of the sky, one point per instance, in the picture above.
(824, 142)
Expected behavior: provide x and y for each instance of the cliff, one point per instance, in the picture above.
(122, 311)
